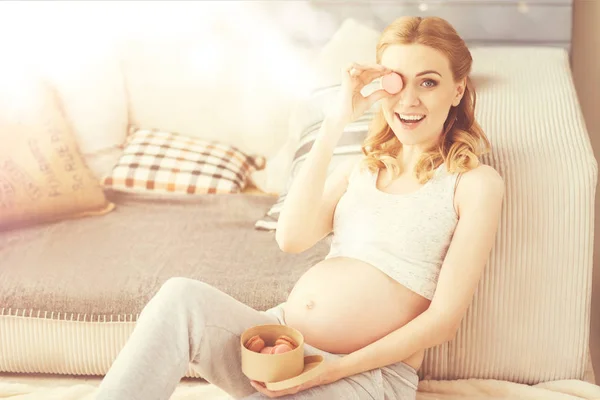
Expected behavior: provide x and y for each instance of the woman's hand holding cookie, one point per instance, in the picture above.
(351, 104)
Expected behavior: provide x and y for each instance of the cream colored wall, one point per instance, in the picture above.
(585, 61)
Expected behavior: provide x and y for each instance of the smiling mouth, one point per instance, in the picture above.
(410, 120)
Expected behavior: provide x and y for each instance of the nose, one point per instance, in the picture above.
(408, 96)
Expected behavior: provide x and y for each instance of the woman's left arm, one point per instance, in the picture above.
(479, 198)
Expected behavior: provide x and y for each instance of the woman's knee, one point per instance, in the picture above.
(182, 289)
(179, 283)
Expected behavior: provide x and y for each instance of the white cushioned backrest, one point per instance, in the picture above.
(80, 60)
(89, 80)
(215, 72)
(530, 318)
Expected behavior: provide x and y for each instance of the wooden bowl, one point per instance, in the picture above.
(272, 367)
(278, 371)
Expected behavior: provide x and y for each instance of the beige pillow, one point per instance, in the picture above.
(43, 176)
(160, 163)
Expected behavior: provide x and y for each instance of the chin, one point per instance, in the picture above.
(408, 134)
(411, 138)
(406, 141)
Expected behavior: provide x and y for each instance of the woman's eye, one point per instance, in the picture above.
(429, 83)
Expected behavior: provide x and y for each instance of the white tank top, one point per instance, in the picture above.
(406, 236)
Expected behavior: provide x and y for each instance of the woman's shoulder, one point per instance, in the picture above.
(482, 183)
(483, 174)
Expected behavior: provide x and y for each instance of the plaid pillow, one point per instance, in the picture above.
(165, 162)
(309, 117)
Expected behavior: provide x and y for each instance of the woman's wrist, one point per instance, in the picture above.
(331, 131)
(334, 123)
(338, 371)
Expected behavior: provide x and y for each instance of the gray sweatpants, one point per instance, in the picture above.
(190, 322)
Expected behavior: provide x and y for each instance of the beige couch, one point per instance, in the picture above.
(70, 291)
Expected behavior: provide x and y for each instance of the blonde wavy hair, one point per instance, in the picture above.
(462, 140)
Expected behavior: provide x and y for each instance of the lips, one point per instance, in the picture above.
(409, 124)
(408, 118)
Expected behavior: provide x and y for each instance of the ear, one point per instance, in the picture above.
(460, 91)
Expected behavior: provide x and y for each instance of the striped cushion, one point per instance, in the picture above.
(164, 162)
(309, 117)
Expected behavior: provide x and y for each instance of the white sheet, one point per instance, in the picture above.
(21, 387)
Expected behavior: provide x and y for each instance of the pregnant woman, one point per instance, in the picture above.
(413, 220)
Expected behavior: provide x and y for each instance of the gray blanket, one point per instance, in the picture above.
(99, 267)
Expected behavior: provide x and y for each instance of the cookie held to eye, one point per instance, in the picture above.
(392, 83)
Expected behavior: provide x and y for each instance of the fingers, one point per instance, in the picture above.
(376, 96)
(366, 73)
(354, 78)
(364, 67)
(354, 69)
(262, 388)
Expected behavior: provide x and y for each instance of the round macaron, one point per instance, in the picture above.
(281, 348)
(255, 343)
(283, 339)
(267, 350)
(392, 83)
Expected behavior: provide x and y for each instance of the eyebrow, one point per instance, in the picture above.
(429, 71)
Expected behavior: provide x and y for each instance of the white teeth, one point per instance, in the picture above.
(411, 117)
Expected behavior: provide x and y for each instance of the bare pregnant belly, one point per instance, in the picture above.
(342, 304)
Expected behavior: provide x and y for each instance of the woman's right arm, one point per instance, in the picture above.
(307, 213)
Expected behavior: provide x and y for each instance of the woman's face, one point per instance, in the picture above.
(428, 91)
